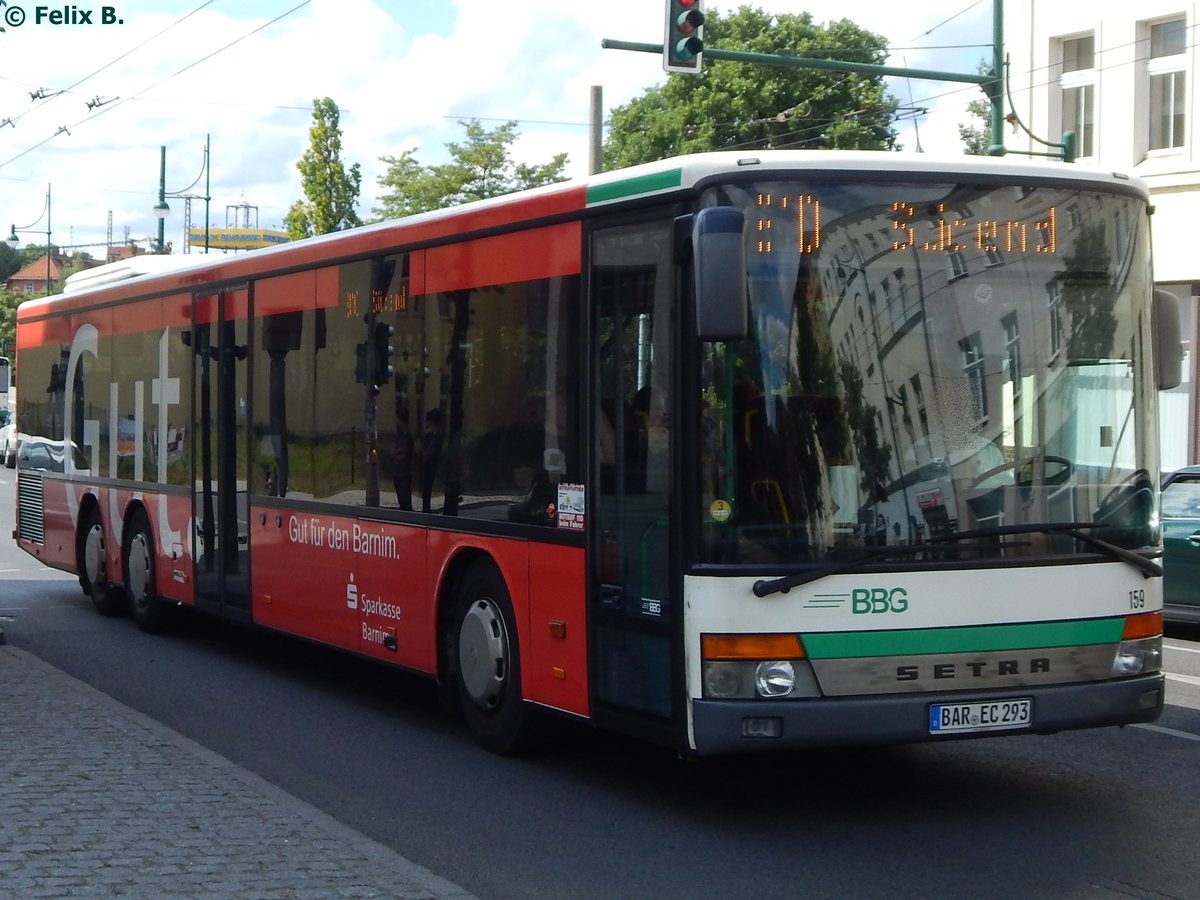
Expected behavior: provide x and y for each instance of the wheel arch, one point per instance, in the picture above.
(513, 569)
(449, 584)
(133, 508)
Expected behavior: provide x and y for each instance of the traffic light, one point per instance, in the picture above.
(683, 42)
(383, 352)
(360, 362)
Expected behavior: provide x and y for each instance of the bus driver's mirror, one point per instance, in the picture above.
(719, 254)
(1168, 344)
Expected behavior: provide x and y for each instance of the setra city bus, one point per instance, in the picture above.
(731, 452)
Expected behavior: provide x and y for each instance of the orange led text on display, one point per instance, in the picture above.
(397, 301)
(949, 235)
(988, 235)
(808, 221)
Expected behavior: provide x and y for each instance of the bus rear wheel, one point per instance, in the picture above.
(149, 612)
(488, 664)
(108, 599)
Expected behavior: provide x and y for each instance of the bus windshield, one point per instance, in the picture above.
(932, 372)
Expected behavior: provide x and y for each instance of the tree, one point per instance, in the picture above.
(976, 134)
(10, 261)
(8, 321)
(1089, 293)
(479, 167)
(733, 105)
(330, 192)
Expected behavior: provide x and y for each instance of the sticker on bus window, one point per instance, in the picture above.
(720, 511)
(570, 506)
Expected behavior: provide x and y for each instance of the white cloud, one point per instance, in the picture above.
(402, 73)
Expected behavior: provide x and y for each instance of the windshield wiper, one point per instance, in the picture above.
(1148, 567)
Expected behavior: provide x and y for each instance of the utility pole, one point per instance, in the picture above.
(595, 133)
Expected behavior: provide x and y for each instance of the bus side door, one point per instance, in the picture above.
(633, 617)
(220, 344)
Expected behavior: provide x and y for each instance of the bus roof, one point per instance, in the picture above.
(148, 274)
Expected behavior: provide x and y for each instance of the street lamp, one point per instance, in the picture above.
(13, 240)
(161, 209)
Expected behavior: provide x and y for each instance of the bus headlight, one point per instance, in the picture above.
(752, 679)
(776, 678)
(755, 666)
(724, 680)
(1138, 657)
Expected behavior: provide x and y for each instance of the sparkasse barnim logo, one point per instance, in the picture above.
(12, 16)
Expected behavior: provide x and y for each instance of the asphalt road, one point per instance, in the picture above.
(1106, 813)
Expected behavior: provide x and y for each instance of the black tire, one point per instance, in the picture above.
(487, 663)
(150, 613)
(108, 599)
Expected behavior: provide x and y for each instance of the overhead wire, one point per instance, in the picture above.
(60, 91)
(162, 81)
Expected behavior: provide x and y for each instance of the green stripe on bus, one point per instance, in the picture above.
(849, 644)
(630, 187)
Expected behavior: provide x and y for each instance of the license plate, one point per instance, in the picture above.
(984, 715)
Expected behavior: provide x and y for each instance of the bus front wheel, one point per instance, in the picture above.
(486, 656)
(108, 599)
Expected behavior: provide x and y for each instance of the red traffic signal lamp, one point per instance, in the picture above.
(683, 42)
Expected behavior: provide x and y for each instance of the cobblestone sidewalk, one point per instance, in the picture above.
(98, 800)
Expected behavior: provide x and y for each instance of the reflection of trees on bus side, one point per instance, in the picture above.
(281, 335)
(1089, 292)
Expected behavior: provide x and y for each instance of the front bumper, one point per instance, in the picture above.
(721, 726)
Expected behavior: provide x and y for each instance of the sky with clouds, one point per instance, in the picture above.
(404, 73)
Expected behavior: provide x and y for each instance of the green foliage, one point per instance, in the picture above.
(874, 456)
(10, 262)
(1089, 294)
(69, 267)
(8, 321)
(733, 105)
(976, 134)
(480, 167)
(330, 192)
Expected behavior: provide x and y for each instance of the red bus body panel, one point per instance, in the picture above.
(366, 586)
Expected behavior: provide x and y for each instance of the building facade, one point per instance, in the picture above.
(1120, 77)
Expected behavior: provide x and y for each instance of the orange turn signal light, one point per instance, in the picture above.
(751, 646)
(1143, 625)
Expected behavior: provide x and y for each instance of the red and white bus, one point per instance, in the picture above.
(731, 452)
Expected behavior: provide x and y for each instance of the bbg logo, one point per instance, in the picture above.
(867, 601)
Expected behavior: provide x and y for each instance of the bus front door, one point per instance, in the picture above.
(220, 346)
(633, 614)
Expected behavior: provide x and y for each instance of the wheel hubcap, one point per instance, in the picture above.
(93, 555)
(138, 568)
(483, 653)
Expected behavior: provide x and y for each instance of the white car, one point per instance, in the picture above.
(8, 442)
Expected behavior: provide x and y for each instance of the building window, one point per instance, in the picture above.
(1054, 309)
(1079, 92)
(972, 356)
(1012, 351)
(919, 398)
(1168, 84)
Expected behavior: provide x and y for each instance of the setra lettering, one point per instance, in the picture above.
(951, 671)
